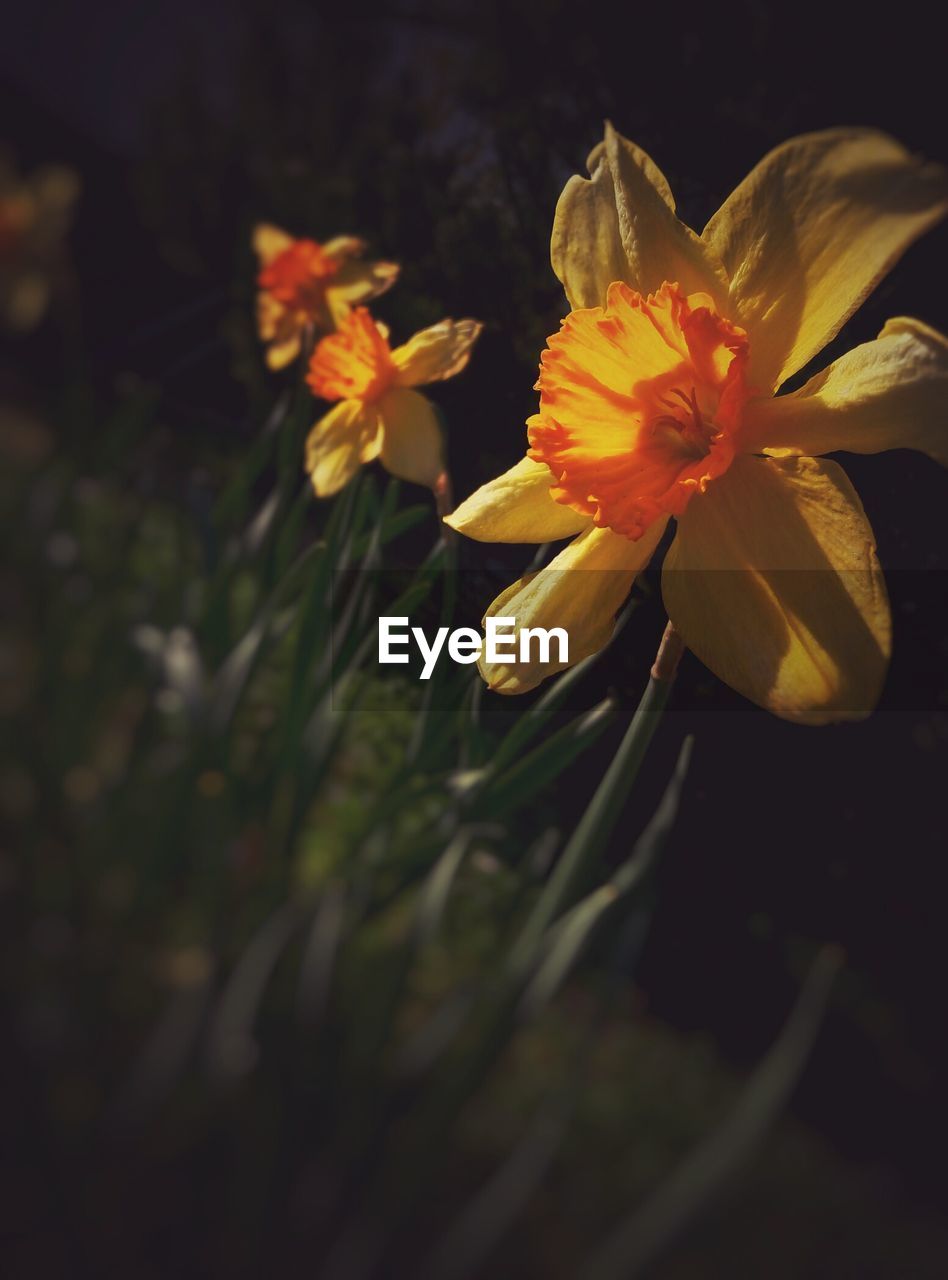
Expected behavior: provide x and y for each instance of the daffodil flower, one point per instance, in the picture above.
(657, 402)
(309, 287)
(35, 212)
(379, 414)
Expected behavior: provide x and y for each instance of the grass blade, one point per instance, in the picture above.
(670, 1210)
(594, 828)
(494, 793)
(573, 933)
(535, 718)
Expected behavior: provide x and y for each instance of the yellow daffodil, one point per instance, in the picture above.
(309, 287)
(379, 415)
(657, 401)
(34, 217)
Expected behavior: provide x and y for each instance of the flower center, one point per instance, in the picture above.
(640, 402)
(353, 364)
(686, 433)
(298, 276)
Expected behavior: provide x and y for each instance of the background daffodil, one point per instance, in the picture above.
(308, 286)
(379, 415)
(35, 213)
(657, 400)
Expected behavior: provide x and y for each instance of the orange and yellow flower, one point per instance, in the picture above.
(379, 414)
(35, 213)
(305, 287)
(657, 401)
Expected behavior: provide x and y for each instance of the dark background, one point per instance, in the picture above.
(444, 134)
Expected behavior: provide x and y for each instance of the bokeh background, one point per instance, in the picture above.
(443, 134)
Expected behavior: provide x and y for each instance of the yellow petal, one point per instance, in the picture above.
(811, 231)
(774, 584)
(620, 224)
(887, 394)
(280, 329)
(342, 247)
(348, 435)
(411, 437)
(517, 507)
(580, 590)
(356, 282)
(271, 316)
(268, 241)
(435, 353)
(283, 352)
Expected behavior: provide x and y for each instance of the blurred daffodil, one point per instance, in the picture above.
(379, 415)
(657, 401)
(309, 287)
(35, 213)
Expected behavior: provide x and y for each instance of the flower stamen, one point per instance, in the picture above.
(693, 436)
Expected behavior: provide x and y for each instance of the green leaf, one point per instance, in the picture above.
(496, 792)
(233, 676)
(588, 841)
(536, 717)
(672, 1208)
(231, 1048)
(230, 508)
(568, 938)
(391, 528)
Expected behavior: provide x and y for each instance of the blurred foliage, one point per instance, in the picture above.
(281, 937)
(232, 843)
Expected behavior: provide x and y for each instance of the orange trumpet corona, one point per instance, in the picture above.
(640, 405)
